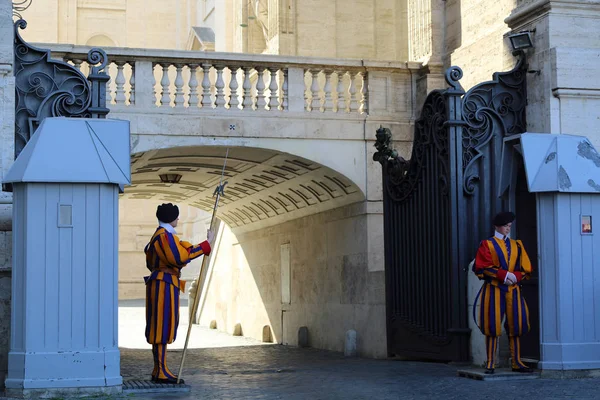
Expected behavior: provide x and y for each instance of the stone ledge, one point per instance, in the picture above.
(139, 386)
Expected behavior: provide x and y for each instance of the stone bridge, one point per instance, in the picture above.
(300, 130)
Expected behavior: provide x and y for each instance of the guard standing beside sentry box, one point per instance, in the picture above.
(165, 256)
(502, 263)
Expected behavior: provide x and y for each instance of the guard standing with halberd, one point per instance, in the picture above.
(503, 264)
(165, 256)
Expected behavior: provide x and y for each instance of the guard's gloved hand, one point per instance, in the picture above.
(511, 279)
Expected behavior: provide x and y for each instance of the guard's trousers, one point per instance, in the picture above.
(495, 304)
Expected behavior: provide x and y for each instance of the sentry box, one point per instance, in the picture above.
(66, 183)
(562, 176)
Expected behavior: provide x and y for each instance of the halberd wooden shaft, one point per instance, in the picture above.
(199, 284)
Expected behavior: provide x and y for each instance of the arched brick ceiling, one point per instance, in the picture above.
(264, 187)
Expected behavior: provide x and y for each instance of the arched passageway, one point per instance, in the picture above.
(292, 252)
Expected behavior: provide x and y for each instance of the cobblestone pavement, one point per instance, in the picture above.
(220, 366)
(280, 372)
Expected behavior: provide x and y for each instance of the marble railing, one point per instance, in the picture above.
(202, 81)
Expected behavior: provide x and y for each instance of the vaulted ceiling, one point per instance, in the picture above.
(263, 188)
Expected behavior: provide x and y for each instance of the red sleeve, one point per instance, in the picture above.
(519, 275)
(205, 247)
(484, 264)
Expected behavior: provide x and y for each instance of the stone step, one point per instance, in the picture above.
(500, 374)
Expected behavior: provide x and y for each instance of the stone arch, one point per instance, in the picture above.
(265, 187)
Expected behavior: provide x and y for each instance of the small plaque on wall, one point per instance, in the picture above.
(586, 224)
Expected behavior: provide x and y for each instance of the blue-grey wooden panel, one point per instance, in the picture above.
(547, 263)
(92, 265)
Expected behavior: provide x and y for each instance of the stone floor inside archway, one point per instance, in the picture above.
(136, 356)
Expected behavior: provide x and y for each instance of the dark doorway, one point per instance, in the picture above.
(525, 204)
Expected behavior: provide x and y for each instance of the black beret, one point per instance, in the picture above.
(503, 218)
(167, 213)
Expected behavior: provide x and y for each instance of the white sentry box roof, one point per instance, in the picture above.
(75, 150)
(558, 163)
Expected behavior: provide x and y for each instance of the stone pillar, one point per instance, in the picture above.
(565, 96)
(427, 45)
(7, 151)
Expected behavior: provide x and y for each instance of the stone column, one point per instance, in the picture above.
(7, 151)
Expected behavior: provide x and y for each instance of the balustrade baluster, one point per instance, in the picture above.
(306, 91)
(165, 99)
(120, 82)
(363, 93)
(260, 89)
(353, 106)
(132, 83)
(233, 88)
(77, 63)
(220, 84)
(273, 100)
(315, 104)
(179, 100)
(193, 84)
(340, 99)
(328, 106)
(284, 105)
(247, 102)
(206, 100)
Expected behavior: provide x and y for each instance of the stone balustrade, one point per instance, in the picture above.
(201, 81)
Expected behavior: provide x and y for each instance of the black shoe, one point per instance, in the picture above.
(171, 381)
(525, 370)
(153, 378)
(489, 371)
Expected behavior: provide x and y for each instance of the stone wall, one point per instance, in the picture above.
(475, 40)
(565, 96)
(369, 29)
(7, 132)
(125, 23)
(336, 281)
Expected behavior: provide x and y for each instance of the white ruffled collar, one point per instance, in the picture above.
(501, 236)
(168, 227)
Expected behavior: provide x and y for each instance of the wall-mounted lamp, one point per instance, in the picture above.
(521, 40)
(170, 178)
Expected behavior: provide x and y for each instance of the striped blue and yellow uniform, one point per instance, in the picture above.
(497, 301)
(165, 256)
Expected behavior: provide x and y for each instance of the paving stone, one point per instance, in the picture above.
(282, 372)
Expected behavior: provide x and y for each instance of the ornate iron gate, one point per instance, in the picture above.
(438, 206)
(53, 88)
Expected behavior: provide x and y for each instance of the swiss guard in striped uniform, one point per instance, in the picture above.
(165, 256)
(502, 263)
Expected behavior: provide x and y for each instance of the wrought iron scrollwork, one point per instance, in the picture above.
(51, 88)
(429, 130)
(453, 75)
(490, 107)
(20, 6)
